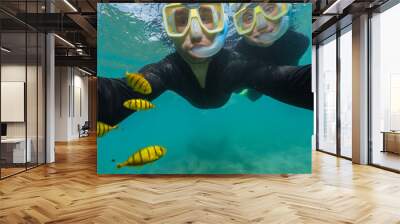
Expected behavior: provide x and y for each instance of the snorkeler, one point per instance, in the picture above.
(201, 70)
(267, 36)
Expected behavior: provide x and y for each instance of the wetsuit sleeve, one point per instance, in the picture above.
(288, 84)
(112, 93)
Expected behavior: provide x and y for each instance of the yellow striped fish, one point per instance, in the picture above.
(143, 156)
(138, 104)
(103, 128)
(138, 83)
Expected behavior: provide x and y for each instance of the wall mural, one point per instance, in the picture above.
(204, 88)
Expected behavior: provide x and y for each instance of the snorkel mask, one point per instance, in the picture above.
(209, 18)
(257, 15)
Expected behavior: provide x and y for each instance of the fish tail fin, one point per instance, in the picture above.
(120, 165)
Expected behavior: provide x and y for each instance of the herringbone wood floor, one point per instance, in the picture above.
(69, 191)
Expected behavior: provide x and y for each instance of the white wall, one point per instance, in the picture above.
(13, 73)
(62, 80)
(80, 111)
(33, 127)
(71, 94)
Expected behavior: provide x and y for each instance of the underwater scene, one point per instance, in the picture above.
(181, 92)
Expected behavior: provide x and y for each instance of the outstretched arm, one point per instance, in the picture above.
(112, 93)
(289, 84)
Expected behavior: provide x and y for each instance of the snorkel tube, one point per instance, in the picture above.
(215, 47)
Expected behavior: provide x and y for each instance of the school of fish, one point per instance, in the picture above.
(147, 154)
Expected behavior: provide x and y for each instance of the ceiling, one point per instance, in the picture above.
(77, 25)
(331, 15)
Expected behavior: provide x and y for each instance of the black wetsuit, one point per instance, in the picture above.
(226, 73)
(286, 51)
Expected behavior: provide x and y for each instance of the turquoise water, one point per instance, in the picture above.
(265, 136)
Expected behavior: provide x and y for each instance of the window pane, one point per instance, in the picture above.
(346, 93)
(386, 89)
(13, 86)
(327, 96)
